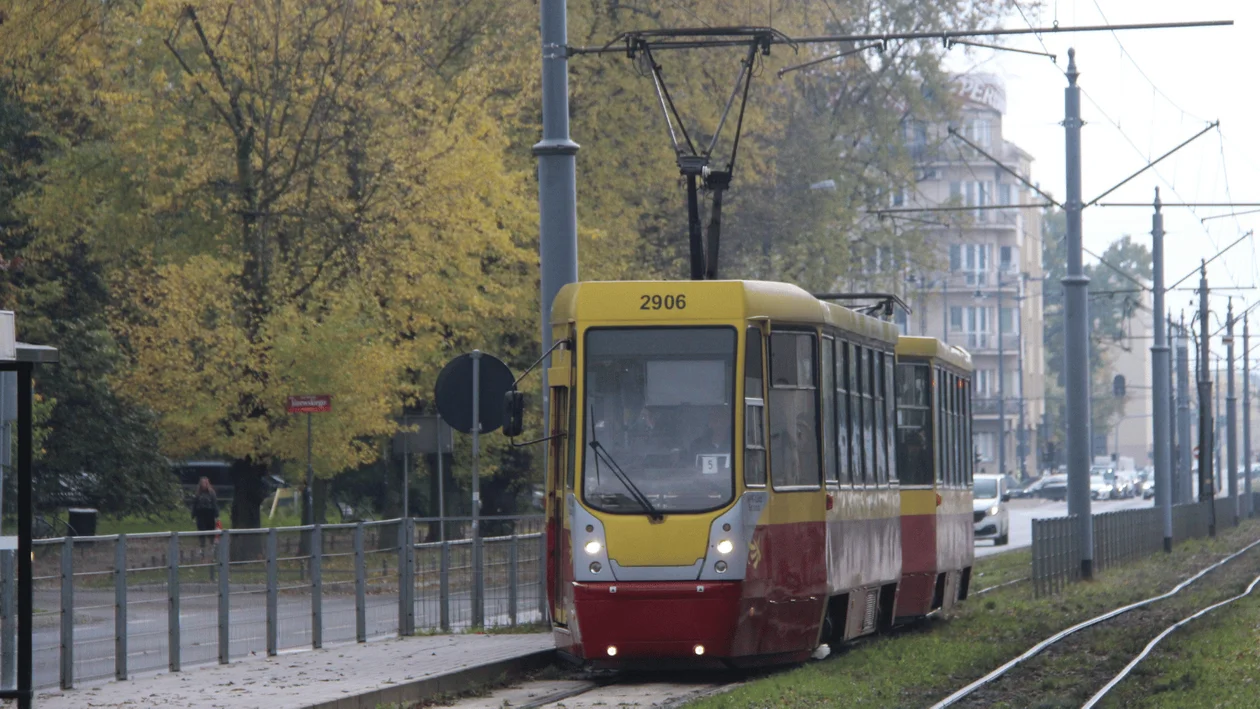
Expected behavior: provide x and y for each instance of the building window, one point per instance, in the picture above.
(1007, 259)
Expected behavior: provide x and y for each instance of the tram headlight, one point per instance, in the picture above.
(592, 547)
(612, 650)
(699, 649)
(595, 567)
(993, 510)
(720, 567)
(725, 546)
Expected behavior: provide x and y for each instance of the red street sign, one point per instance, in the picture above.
(310, 404)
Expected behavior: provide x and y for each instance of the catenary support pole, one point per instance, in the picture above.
(308, 496)
(1001, 437)
(1207, 487)
(26, 598)
(557, 181)
(1076, 330)
(1249, 506)
(1159, 372)
(1231, 417)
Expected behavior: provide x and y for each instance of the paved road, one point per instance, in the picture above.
(1023, 512)
(147, 626)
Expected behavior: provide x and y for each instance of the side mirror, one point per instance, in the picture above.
(1006, 497)
(513, 413)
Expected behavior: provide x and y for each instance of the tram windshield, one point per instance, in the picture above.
(659, 405)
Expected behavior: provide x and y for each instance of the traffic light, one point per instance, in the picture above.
(1117, 386)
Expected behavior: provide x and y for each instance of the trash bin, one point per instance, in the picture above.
(82, 521)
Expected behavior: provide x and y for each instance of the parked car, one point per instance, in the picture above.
(992, 518)
(1100, 488)
(1052, 487)
(1030, 490)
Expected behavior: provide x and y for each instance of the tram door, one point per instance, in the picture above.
(559, 485)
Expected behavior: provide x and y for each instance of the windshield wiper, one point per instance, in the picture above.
(635, 492)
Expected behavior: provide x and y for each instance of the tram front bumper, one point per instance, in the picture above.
(651, 620)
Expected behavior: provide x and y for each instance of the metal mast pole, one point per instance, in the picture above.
(1207, 489)
(557, 181)
(1249, 505)
(1023, 432)
(1231, 416)
(1076, 331)
(1183, 413)
(1001, 385)
(1217, 476)
(1159, 372)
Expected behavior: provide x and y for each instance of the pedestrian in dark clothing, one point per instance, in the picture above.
(205, 509)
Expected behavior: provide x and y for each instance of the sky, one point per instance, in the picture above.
(1143, 93)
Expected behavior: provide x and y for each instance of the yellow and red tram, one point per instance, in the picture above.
(723, 473)
(935, 462)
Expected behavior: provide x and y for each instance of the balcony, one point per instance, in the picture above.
(986, 342)
(988, 406)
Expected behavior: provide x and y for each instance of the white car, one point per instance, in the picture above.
(992, 519)
(1100, 489)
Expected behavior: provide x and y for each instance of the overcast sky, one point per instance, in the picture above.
(1162, 88)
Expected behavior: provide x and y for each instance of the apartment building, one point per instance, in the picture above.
(979, 283)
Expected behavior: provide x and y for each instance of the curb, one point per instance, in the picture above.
(452, 682)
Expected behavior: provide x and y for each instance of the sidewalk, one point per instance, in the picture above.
(347, 676)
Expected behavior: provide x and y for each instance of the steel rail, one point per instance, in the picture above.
(1151, 645)
(1036, 649)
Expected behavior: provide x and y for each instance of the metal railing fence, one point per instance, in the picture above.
(111, 606)
(1118, 537)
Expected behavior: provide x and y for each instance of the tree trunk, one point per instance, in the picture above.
(247, 499)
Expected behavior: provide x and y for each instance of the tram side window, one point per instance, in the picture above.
(938, 441)
(754, 411)
(864, 401)
(877, 396)
(793, 411)
(969, 455)
(914, 424)
(844, 466)
(947, 427)
(828, 395)
(953, 430)
(890, 415)
(856, 453)
(962, 430)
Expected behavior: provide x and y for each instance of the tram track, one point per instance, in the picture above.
(988, 690)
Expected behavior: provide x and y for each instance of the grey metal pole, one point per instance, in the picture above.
(1218, 477)
(945, 305)
(441, 429)
(272, 593)
(26, 586)
(1076, 332)
(172, 604)
(1231, 416)
(1207, 488)
(1160, 366)
(406, 487)
(1001, 385)
(317, 587)
(1249, 507)
(1023, 429)
(478, 617)
(120, 607)
(309, 496)
(1183, 413)
(8, 614)
(557, 180)
(67, 613)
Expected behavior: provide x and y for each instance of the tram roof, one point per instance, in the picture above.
(731, 300)
(933, 348)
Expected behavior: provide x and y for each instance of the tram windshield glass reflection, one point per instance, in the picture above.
(659, 402)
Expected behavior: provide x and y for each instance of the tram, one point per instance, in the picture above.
(722, 478)
(934, 460)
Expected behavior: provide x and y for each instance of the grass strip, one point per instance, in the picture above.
(1213, 661)
(921, 665)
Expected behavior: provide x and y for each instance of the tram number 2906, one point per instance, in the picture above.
(663, 302)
